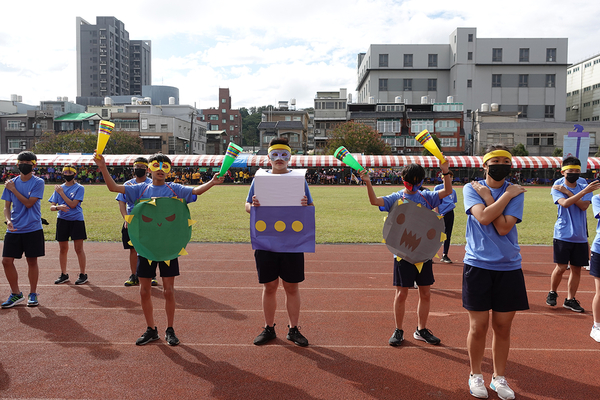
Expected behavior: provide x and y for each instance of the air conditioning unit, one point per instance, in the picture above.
(317, 131)
(575, 107)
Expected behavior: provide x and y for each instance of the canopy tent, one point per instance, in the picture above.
(179, 160)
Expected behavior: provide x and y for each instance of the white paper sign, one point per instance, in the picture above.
(279, 189)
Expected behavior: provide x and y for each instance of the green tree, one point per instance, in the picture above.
(85, 142)
(558, 152)
(357, 138)
(437, 141)
(519, 150)
(251, 117)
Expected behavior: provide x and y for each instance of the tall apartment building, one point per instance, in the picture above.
(330, 111)
(224, 118)
(583, 90)
(107, 64)
(526, 75)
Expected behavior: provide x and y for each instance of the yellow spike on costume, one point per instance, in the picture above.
(153, 202)
(168, 262)
(128, 218)
(440, 216)
(442, 237)
(183, 252)
(418, 204)
(191, 222)
(398, 259)
(400, 201)
(129, 243)
(384, 218)
(419, 266)
(383, 241)
(150, 262)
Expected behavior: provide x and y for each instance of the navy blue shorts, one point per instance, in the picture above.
(125, 238)
(500, 291)
(575, 254)
(31, 243)
(271, 265)
(406, 274)
(66, 229)
(147, 270)
(595, 265)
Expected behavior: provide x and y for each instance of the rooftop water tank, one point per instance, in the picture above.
(495, 107)
(423, 99)
(485, 107)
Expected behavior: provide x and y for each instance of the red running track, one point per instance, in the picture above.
(79, 343)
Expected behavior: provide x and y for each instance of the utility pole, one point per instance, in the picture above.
(191, 129)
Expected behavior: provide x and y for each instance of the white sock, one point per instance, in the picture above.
(597, 325)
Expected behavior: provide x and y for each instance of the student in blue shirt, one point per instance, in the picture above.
(595, 271)
(67, 199)
(446, 208)
(573, 197)
(492, 275)
(24, 234)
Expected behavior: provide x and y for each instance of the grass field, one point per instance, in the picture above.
(343, 215)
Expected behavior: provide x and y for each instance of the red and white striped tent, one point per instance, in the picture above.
(296, 161)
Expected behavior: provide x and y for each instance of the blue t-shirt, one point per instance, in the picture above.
(148, 190)
(123, 198)
(485, 248)
(448, 202)
(73, 192)
(306, 193)
(25, 219)
(571, 222)
(596, 209)
(429, 199)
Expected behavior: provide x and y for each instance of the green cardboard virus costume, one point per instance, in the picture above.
(160, 228)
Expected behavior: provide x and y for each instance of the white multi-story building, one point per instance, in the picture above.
(583, 90)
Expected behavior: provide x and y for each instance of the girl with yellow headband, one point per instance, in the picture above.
(67, 199)
(492, 276)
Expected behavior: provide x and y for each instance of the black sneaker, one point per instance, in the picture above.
(148, 336)
(81, 280)
(446, 260)
(426, 336)
(551, 298)
(266, 336)
(573, 305)
(62, 279)
(170, 337)
(295, 336)
(397, 338)
(132, 281)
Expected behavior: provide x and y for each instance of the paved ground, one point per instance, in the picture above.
(79, 343)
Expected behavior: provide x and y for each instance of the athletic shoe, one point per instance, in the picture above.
(33, 300)
(62, 279)
(500, 386)
(13, 300)
(445, 259)
(170, 337)
(295, 336)
(595, 333)
(81, 280)
(154, 282)
(551, 298)
(573, 305)
(477, 386)
(397, 338)
(266, 335)
(132, 281)
(148, 336)
(426, 336)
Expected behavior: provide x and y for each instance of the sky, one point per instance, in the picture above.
(265, 51)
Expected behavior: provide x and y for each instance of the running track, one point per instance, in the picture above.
(79, 343)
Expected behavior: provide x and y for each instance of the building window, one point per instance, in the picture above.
(550, 80)
(523, 80)
(540, 139)
(496, 80)
(418, 125)
(505, 138)
(497, 55)
(432, 85)
(408, 60)
(164, 128)
(448, 142)
(549, 112)
(388, 126)
(214, 117)
(550, 54)
(587, 104)
(523, 55)
(13, 125)
(383, 87)
(231, 117)
(383, 60)
(223, 111)
(432, 60)
(522, 111)
(470, 56)
(223, 101)
(469, 83)
(470, 37)
(596, 118)
(407, 84)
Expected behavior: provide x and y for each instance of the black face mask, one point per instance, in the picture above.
(498, 171)
(69, 178)
(25, 168)
(572, 177)
(139, 172)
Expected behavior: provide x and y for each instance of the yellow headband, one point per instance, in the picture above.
(279, 147)
(566, 167)
(140, 162)
(497, 153)
(69, 169)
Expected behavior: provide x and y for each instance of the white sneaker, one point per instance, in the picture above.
(500, 386)
(477, 386)
(595, 333)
